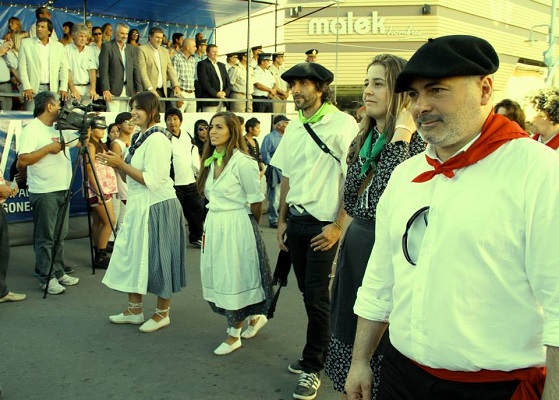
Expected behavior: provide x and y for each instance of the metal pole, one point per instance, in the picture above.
(337, 50)
(84, 11)
(249, 3)
(549, 55)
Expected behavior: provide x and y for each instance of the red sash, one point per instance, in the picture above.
(497, 130)
(553, 143)
(531, 379)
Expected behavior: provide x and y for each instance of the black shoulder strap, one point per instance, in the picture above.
(319, 142)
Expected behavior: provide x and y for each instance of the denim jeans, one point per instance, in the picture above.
(47, 215)
(272, 193)
(4, 251)
(312, 269)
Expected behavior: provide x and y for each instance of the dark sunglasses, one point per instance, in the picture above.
(422, 212)
(97, 33)
(202, 128)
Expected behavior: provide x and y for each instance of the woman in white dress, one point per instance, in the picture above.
(235, 270)
(149, 252)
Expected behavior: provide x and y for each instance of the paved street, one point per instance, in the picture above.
(64, 347)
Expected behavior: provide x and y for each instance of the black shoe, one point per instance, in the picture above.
(102, 259)
(110, 247)
(68, 270)
(307, 387)
(295, 368)
(197, 243)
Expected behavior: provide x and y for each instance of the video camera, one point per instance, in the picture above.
(76, 116)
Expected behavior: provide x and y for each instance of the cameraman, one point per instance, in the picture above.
(49, 173)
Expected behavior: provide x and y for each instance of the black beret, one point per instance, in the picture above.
(448, 56)
(305, 70)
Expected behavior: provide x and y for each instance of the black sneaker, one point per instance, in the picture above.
(197, 243)
(68, 270)
(295, 368)
(307, 387)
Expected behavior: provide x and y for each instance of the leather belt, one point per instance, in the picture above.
(44, 84)
(81, 84)
(187, 91)
(125, 82)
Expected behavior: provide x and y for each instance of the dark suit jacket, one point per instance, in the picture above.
(210, 82)
(111, 69)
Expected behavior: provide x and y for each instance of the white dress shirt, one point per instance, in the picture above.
(485, 291)
(316, 179)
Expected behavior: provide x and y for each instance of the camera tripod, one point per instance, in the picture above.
(83, 156)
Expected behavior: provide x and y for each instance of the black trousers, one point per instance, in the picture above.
(312, 269)
(192, 209)
(401, 379)
(262, 107)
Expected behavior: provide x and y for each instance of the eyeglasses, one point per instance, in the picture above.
(202, 128)
(129, 122)
(135, 34)
(418, 228)
(97, 33)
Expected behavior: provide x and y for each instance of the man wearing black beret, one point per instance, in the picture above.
(465, 265)
(311, 156)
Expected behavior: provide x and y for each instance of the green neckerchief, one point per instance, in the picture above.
(217, 156)
(324, 109)
(370, 151)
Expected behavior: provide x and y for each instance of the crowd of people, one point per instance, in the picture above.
(421, 237)
(103, 64)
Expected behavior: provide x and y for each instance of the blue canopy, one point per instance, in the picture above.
(190, 13)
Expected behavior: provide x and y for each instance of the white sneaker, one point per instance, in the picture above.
(54, 287)
(68, 280)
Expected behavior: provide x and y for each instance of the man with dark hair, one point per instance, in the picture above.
(214, 81)
(43, 153)
(43, 64)
(465, 265)
(311, 194)
(177, 39)
(42, 12)
(118, 70)
(185, 167)
(155, 66)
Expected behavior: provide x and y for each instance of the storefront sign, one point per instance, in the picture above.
(373, 25)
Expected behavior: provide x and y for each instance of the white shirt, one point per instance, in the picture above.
(53, 172)
(316, 179)
(158, 62)
(487, 267)
(80, 62)
(186, 160)
(218, 72)
(44, 54)
(264, 77)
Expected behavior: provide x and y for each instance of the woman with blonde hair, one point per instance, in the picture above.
(387, 138)
(235, 270)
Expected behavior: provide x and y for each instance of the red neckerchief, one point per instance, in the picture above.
(553, 143)
(531, 379)
(497, 130)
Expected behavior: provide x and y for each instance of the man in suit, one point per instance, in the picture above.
(213, 84)
(35, 54)
(118, 70)
(155, 66)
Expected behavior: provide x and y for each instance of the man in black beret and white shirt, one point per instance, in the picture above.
(311, 194)
(465, 263)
